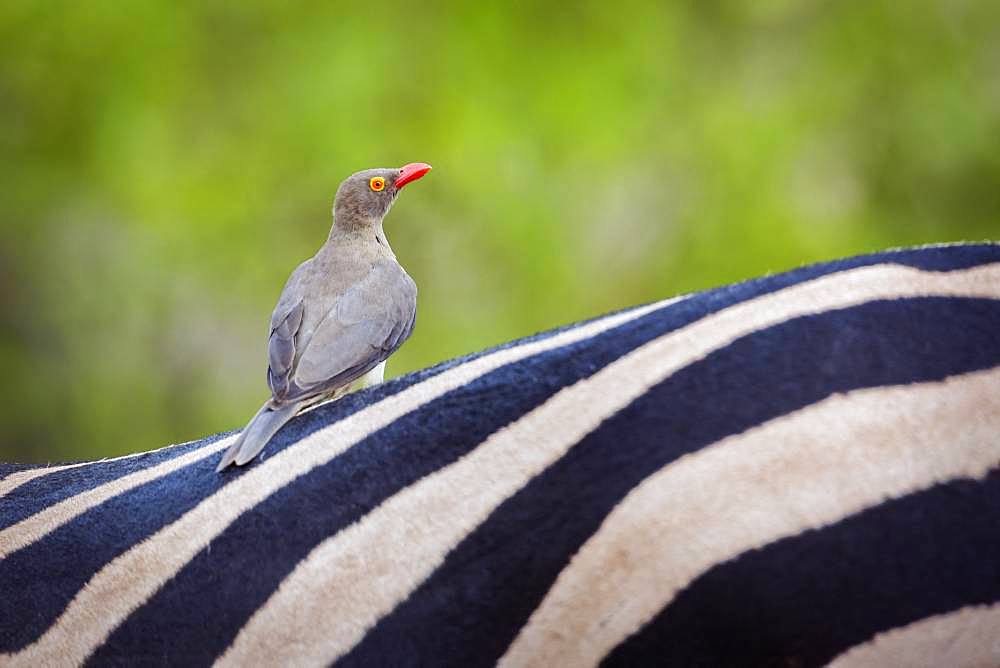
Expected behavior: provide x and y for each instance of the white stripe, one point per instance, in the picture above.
(359, 575)
(130, 579)
(803, 470)
(966, 637)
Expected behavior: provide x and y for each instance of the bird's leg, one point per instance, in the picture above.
(320, 399)
(373, 377)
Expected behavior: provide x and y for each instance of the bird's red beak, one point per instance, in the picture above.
(411, 172)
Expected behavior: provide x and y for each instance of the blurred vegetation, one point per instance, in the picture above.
(166, 164)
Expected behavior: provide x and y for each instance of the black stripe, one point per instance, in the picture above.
(803, 600)
(55, 487)
(470, 609)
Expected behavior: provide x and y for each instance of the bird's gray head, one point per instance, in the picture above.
(365, 197)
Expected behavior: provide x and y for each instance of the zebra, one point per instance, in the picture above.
(797, 470)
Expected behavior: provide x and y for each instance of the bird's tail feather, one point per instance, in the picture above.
(257, 433)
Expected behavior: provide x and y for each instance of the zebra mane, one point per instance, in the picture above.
(792, 470)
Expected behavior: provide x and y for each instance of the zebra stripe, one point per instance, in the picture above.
(632, 488)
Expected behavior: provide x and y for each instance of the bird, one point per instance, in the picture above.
(341, 314)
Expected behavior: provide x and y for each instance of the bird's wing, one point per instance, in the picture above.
(364, 327)
(281, 346)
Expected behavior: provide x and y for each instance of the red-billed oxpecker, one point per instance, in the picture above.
(342, 313)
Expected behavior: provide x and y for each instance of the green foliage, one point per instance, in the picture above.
(166, 165)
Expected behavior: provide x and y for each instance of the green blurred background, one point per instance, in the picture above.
(166, 164)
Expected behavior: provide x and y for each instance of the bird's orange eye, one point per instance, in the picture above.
(377, 184)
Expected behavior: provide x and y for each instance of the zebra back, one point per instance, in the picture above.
(793, 470)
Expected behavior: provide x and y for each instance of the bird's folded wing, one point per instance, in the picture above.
(281, 349)
(366, 325)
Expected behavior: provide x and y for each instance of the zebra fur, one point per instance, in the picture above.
(795, 470)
